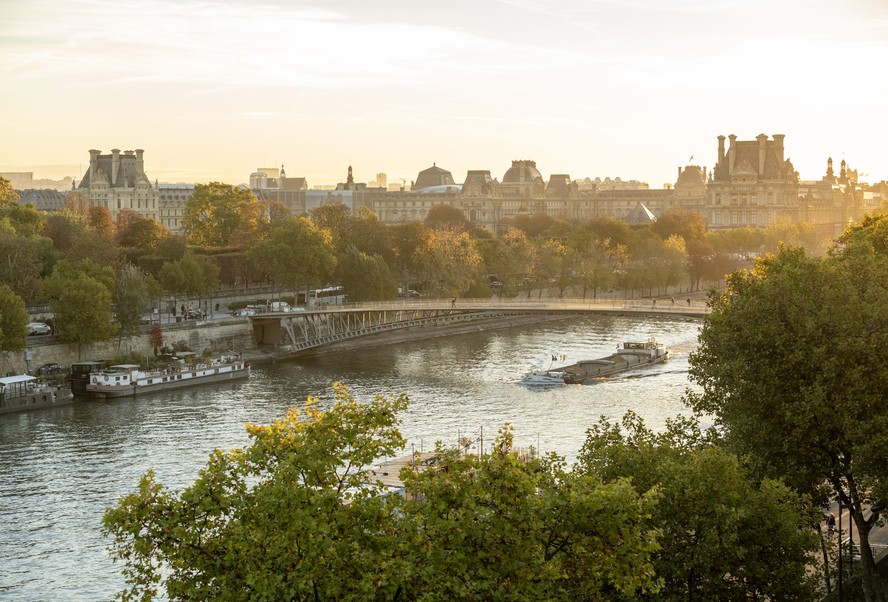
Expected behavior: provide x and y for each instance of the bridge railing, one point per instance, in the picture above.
(495, 303)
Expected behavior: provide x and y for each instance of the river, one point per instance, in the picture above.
(61, 467)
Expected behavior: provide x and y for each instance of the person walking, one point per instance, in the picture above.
(453, 303)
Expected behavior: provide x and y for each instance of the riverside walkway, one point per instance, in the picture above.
(290, 333)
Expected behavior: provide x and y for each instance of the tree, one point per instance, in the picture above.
(290, 517)
(67, 270)
(448, 262)
(83, 311)
(131, 296)
(792, 365)
(297, 515)
(214, 211)
(533, 225)
(141, 234)
(13, 321)
(192, 276)
(510, 527)
(24, 219)
(447, 217)
(724, 536)
(20, 263)
(8, 195)
(366, 278)
(296, 253)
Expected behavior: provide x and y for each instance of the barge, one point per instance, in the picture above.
(23, 392)
(127, 380)
(629, 356)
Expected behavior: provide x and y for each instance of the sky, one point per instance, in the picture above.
(214, 89)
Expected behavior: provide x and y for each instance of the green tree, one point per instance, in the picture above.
(448, 262)
(194, 276)
(447, 217)
(24, 219)
(83, 311)
(131, 296)
(8, 195)
(791, 364)
(67, 270)
(296, 515)
(534, 224)
(366, 278)
(215, 210)
(20, 263)
(508, 527)
(13, 319)
(724, 536)
(289, 517)
(297, 253)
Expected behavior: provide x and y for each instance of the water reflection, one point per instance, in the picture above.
(62, 466)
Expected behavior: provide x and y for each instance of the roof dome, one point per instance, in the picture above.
(521, 171)
(692, 174)
(433, 176)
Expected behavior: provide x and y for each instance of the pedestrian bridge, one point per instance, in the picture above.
(298, 331)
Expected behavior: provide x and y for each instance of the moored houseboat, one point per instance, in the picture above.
(125, 380)
(23, 392)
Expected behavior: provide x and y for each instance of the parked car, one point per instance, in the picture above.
(149, 319)
(49, 370)
(194, 314)
(38, 328)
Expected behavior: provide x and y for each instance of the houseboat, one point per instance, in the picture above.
(23, 392)
(126, 380)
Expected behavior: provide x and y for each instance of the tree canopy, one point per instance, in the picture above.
(13, 319)
(724, 535)
(792, 365)
(296, 515)
(215, 211)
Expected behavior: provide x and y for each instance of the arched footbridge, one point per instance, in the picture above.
(316, 327)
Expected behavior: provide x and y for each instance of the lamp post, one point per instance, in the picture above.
(841, 591)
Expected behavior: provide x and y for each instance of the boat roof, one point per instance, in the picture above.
(124, 366)
(18, 378)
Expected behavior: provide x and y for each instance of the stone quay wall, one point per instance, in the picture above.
(218, 336)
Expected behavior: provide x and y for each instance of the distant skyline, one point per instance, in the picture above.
(214, 89)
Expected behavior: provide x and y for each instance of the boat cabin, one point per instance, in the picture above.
(20, 385)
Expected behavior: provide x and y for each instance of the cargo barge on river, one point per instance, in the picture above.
(629, 356)
(126, 380)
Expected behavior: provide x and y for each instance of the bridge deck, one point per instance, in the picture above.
(297, 331)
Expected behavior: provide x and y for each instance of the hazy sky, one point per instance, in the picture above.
(213, 89)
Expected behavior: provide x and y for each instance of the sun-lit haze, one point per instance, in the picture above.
(213, 89)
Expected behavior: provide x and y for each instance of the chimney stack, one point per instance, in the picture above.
(721, 149)
(778, 146)
(93, 161)
(731, 153)
(115, 165)
(763, 141)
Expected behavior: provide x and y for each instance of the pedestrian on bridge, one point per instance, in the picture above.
(453, 303)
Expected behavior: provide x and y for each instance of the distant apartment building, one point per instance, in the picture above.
(24, 180)
(118, 181)
(171, 205)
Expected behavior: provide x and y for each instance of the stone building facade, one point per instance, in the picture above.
(752, 184)
(118, 181)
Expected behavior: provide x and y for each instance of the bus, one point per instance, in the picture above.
(331, 295)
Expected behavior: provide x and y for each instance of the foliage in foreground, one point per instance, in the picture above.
(294, 516)
(290, 517)
(792, 365)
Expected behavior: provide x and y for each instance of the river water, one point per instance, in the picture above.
(60, 468)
